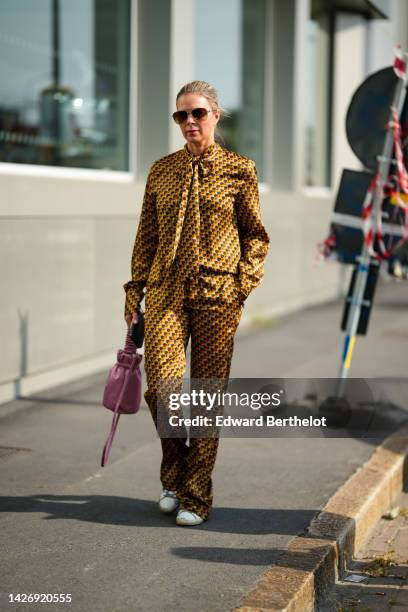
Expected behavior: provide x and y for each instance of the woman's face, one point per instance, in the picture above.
(197, 131)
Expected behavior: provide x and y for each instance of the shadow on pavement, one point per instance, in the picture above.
(114, 510)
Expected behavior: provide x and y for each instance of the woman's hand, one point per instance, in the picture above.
(129, 318)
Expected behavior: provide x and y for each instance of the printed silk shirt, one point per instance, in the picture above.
(200, 214)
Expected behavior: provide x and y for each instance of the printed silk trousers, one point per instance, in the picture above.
(207, 310)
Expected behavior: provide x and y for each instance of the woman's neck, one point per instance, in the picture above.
(198, 148)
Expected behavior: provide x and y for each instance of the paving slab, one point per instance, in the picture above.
(383, 561)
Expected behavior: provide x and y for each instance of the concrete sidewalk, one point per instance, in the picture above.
(383, 562)
(69, 526)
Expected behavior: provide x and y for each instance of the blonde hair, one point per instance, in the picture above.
(208, 91)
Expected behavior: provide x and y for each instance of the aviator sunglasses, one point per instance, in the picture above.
(198, 113)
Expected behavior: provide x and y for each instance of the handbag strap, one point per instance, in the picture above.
(130, 347)
(108, 444)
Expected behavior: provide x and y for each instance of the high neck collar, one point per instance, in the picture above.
(206, 154)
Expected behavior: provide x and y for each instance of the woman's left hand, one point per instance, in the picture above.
(130, 318)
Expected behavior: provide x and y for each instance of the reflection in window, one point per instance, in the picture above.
(317, 107)
(64, 70)
(229, 54)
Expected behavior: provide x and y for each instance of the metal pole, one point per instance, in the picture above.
(56, 63)
(56, 74)
(364, 258)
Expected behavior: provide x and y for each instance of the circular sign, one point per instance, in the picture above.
(368, 114)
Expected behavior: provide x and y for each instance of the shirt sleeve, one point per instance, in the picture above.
(144, 249)
(253, 236)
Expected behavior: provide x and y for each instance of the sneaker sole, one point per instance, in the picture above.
(187, 523)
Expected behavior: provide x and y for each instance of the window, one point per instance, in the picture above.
(64, 71)
(318, 94)
(229, 53)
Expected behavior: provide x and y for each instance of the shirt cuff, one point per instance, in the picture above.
(134, 295)
(245, 285)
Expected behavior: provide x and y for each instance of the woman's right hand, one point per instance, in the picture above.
(129, 318)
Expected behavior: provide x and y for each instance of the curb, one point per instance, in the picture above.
(307, 571)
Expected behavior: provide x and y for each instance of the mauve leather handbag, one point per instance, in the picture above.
(123, 389)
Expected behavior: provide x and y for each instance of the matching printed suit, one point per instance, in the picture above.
(199, 251)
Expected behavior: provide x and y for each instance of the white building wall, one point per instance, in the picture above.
(384, 34)
(67, 235)
(349, 73)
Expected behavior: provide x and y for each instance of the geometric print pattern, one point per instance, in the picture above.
(175, 315)
(187, 258)
(199, 250)
(217, 191)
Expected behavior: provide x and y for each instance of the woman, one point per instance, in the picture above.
(199, 250)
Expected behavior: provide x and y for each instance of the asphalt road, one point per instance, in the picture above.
(69, 526)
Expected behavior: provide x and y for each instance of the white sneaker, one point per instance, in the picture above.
(168, 501)
(186, 517)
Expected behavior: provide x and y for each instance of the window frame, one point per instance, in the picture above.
(94, 174)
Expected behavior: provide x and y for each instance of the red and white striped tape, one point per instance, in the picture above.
(372, 228)
(399, 63)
